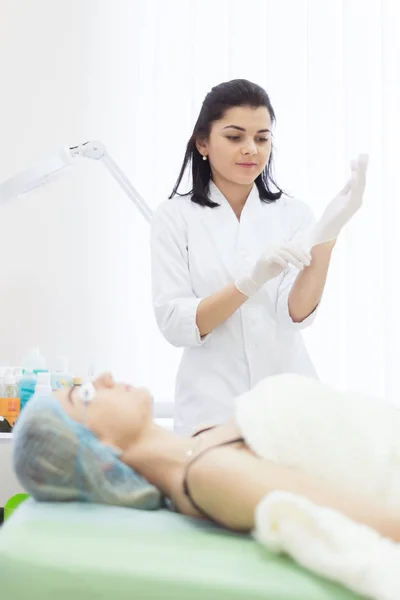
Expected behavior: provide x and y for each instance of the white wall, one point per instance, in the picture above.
(43, 105)
(72, 253)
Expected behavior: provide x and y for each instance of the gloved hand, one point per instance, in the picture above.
(340, 210)
(270, 264)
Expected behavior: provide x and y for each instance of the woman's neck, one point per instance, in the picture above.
(159, 456)
(235, 193)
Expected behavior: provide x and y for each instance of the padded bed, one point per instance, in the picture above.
(90, 552)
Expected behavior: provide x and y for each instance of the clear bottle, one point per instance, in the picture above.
(60, 378)
(34, 360)
(18, 372)
(43, 384)
(3, 372)
(10, 386)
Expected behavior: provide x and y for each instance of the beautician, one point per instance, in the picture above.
(238, 268)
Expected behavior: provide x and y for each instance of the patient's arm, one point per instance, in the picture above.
(228, 483)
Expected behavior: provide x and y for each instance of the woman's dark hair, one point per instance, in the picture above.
(238, 92)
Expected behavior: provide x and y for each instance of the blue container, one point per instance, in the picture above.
(26, 387)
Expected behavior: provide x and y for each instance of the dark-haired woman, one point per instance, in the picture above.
(234, 282)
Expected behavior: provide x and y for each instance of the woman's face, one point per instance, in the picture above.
(118, 413)
(239, 145)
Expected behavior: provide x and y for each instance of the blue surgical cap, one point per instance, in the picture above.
(58, 459)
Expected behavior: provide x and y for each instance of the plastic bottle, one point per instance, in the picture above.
(26, 386)
(43, 384)
(10, 385)
(34, 360)
(3, 372)
(18, 374)
(61, 378)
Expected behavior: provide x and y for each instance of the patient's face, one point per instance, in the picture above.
(118, 414)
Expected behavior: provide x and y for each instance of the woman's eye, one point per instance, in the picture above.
(236, 138)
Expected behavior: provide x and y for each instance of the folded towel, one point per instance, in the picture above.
(330, 544)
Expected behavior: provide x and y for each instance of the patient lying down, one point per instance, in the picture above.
(289, 433)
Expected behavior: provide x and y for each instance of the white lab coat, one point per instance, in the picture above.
(197, 250)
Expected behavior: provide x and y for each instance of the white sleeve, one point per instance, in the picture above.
(174, 302)
(300, 221)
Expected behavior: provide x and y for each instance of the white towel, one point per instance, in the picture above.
(347, 441)
(330, 544)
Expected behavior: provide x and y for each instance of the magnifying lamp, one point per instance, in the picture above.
(46, 170)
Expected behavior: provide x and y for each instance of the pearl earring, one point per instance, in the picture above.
(204, 157)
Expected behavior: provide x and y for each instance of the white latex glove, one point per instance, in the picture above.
(270, 264)
(341, 209)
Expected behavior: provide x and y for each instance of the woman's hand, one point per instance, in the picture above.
(341, 209)
(272, 263)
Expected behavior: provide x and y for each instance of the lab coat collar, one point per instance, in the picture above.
(217, 196)
(225, 231)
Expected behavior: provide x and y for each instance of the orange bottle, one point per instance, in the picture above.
(9, 409)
